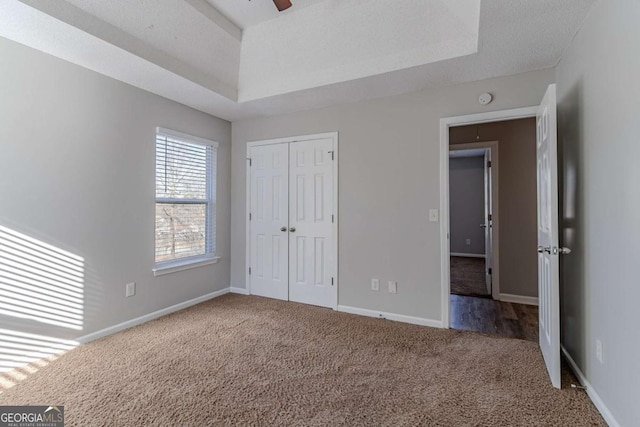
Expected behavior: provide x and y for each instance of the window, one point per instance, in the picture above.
(185, 200)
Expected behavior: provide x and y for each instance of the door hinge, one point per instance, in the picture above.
(333, 219)
(489, 163)
(249, 271)
(249, 216)
(332, 281)
(250, 162)
(490, 217)
(490, 271)
(332, 155)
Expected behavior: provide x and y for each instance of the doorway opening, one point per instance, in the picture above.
(492, 228)
(472, 175)
(546, 245)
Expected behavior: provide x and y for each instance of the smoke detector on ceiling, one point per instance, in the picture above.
(485, 98)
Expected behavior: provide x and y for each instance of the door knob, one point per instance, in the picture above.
(554, 250)
(483, 225)
(283, 229)
(292, 229)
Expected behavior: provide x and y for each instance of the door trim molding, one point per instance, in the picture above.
(288, 140)
(445, 124)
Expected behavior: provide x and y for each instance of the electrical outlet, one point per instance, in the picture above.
(375, 284)
(599, 351)
(393, 287)
(130, 289)
(469, 242)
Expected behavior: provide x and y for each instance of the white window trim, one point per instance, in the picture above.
(168, 267)
(185, 136)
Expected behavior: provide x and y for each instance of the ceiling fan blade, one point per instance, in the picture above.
(282, 4)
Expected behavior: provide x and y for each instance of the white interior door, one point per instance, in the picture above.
(269, 220)
(548, 250)
(311, 222)
(488, 224)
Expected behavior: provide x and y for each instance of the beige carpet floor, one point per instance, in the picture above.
(467, 276)
(240, 360)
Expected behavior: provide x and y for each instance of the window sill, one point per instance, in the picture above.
(187, 264)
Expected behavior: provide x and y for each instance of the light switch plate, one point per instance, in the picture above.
(393, 287)
(130, 289)
(433, 215)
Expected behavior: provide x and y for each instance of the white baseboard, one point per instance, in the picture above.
(467, 255)
(391, 316)
(147, 317)
(591, 392)
(519, 299)
(241, 291)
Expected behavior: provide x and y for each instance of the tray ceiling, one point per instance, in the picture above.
(243, 59)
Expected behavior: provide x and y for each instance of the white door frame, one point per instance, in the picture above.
(290, 139)
(445, 124)
(495, 229)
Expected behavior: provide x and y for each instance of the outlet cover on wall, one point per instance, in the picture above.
(433, 215)
(468, 241)
(393, 287)
(130, 289)
(375, 284)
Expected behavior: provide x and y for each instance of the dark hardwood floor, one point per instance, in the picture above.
(494, 317)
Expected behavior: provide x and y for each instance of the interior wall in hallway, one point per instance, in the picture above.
(466, 205)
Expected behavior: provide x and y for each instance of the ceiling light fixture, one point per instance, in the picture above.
(282, 4)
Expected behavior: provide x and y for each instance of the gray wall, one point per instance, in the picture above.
(389, 179)
(77, 172)
(466, 204)
(599, 122)
(517, 205)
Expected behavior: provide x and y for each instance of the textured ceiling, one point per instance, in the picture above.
(188, 51)
(333, 42)
(174, 28)
(246, 13)
(33, 28)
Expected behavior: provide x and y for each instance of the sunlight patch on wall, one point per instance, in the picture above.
(40, 282)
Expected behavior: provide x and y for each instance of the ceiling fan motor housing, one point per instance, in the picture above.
(282, 4)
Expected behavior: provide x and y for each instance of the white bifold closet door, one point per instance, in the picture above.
(269, 221)
(292, 213)
(310, 215)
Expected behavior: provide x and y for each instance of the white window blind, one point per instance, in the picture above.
(185, 197)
